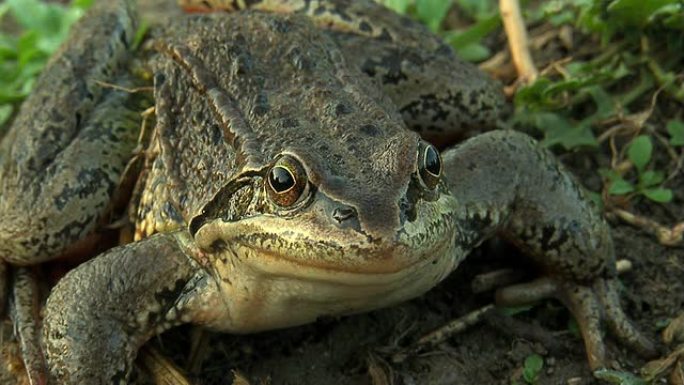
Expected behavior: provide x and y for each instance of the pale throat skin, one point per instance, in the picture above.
(287, 177)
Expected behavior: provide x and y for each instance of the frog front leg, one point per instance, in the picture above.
(507, 185)
(101, 313)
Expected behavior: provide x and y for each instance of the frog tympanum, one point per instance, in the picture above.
(292, 173)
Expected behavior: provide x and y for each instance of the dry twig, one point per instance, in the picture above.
(667, 236)
(517, 40)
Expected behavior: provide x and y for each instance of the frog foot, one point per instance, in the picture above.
(25, 311)
(591, 304)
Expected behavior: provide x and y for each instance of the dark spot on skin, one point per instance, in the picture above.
(388, 65)
(365, 27)
(445, 50)
(120, 377)
(88, 183)
(243, 63)
(167, 299)
(280, 25)
(159, 79)
(549, 231)
(218, 245)
(299, 61)
(289, 123)
(385, 36)
(216, 134)
(172, 213)
(474, 226)
(71, 232)
(239, 39)
(342, 109)
(370, 130)
(261, 106)
(122, 37)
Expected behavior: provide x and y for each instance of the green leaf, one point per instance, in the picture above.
(660, 195)
(85, 4)
(478, 9)
(531, 368)
(399, 6)
(473, 52)
(432, 12)
(534, 95)
(635, 13)
(560, 131)
(140, 34)
(650, 178)
(5, 113)
(620, 186)
(676, 130)
(639, 151)
(475, 33)
(596, 198)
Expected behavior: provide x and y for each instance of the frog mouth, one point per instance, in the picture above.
(266, 288)
(297, 247)
(277, 272)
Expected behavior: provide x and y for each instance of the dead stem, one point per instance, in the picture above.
(667, 236)
(517, 40)
(162, 370)
(125, 89)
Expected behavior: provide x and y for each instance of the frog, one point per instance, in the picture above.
(288, 176)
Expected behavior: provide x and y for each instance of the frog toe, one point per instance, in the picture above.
(582, 302)
(592, 306)
(24, 312)
(618, 322)
(585, 306)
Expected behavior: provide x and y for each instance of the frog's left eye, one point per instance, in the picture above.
(429, 165)
(286, 181)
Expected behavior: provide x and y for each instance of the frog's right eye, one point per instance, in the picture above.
(429, 165)
(286, 181)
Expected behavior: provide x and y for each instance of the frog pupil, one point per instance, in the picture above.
(432, 162)
(281, 179)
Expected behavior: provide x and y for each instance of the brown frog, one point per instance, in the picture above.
(281, 182)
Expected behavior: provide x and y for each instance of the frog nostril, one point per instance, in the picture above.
(342, 214)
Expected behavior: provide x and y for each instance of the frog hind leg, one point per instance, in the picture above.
(70, 142)
(102, 312)
(508, 185)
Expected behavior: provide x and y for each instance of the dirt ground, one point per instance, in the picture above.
(374, 348)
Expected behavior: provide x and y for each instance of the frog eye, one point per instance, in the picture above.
(286, 181)
(429, 165)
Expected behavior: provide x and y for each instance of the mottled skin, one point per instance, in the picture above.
(438, 95)
(367, 222)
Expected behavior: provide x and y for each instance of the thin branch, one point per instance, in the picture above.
(517, 40)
